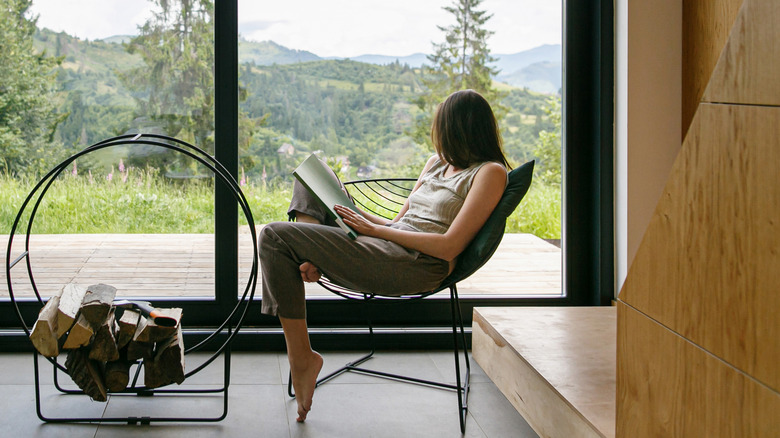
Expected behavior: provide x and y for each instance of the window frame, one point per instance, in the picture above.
(588, 208)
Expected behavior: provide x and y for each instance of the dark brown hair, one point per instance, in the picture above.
(465, 131)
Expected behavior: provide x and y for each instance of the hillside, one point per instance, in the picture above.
(362, 111)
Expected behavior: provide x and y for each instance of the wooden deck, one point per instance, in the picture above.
(166, 265)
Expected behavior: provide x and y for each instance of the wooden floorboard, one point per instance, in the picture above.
(162, 265)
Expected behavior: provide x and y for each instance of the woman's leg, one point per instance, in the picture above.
(305, 363)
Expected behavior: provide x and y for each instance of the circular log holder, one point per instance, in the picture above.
(225, 333)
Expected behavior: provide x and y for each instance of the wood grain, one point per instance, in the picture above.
(707, 267)
(706, 28)
(669, 387)
(747, 71)
(556, 365)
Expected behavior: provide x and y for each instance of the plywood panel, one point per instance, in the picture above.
(668, 387)
(706, 28)
(747, 71)
(707, 267)
(556, 365)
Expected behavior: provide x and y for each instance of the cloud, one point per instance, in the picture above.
(249, 27)
(341, 28)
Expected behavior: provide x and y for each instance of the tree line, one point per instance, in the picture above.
(162, 81)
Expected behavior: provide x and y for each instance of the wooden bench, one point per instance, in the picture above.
(556, 365)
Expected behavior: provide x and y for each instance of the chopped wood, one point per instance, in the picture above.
(103, 347)
(148, 331)
(80, 335)
(71, 297)
(87, 374)
(128, 323)
(170, 357)
(154, 376)
(44, 333)
(118, 373)
(140, 350)
(97, 302)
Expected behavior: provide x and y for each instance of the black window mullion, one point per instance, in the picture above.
(226, 152)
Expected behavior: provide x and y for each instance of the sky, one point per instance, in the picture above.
(340, 28)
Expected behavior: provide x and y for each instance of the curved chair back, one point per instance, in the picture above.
(383, 196)
(489, 237)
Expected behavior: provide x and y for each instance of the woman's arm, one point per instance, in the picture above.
(383, 221)
(486, 190)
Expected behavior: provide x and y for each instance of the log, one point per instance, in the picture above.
(140, 350)
(128, 323)
(44, 333)
(154, 376)
(71, 297)
(148, 331)
(170, 357)
(103, 347)
(80, 335)
(97, 302)
(87, 374)
(118, 373)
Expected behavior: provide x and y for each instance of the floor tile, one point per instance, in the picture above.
(352, 405)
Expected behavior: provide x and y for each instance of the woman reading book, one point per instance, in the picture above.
(457, 190)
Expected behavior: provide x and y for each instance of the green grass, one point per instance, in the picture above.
(143, 202)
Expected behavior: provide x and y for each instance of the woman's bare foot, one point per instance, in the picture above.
(304, 379)
(309, 272)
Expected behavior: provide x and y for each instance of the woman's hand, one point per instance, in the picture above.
(357, 222)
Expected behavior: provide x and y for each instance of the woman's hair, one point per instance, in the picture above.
(464, 131)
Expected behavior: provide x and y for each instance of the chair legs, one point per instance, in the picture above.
(462, 382)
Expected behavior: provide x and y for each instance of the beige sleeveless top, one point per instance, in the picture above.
(437, 201)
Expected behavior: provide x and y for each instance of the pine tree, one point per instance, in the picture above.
(461, 62)
(27, 95)
(175, 86)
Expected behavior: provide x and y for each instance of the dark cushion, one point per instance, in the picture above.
(487, 239)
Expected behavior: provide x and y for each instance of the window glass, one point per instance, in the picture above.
(357, 82)
(135, 216)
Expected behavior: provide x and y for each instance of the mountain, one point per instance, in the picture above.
(511, 63)
(414, 60)
(542, 77)
(269, 53)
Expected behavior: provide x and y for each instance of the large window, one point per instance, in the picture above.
(262, 84)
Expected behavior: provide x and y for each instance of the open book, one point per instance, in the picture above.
(316, 178)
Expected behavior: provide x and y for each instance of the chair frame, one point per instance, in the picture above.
(384, 197)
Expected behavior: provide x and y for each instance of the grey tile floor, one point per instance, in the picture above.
(351, 405)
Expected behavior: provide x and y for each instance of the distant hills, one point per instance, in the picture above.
(538, 69)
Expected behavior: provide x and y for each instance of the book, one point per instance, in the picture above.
(316, 178)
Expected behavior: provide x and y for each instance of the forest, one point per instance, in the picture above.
(357, 111)
(61, 94)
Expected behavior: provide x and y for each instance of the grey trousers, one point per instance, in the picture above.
(366, 264)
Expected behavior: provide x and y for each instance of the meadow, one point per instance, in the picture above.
(142, 201)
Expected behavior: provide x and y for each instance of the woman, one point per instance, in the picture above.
(454, 196)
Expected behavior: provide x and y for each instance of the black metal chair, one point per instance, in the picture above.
(384, 197)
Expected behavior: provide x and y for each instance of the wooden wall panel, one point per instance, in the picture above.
(747, 72)
(668, 387)
(706, 28)
(707, 267)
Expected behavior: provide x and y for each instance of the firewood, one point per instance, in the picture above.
(80, 335)
(140, 350)
(118, 373)
(97, 303)
(44, 333)
(71, 297)
(103, 347)
(154, 376)
(148, 331)
(87, 374)
(170, 357)
(128, 323)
